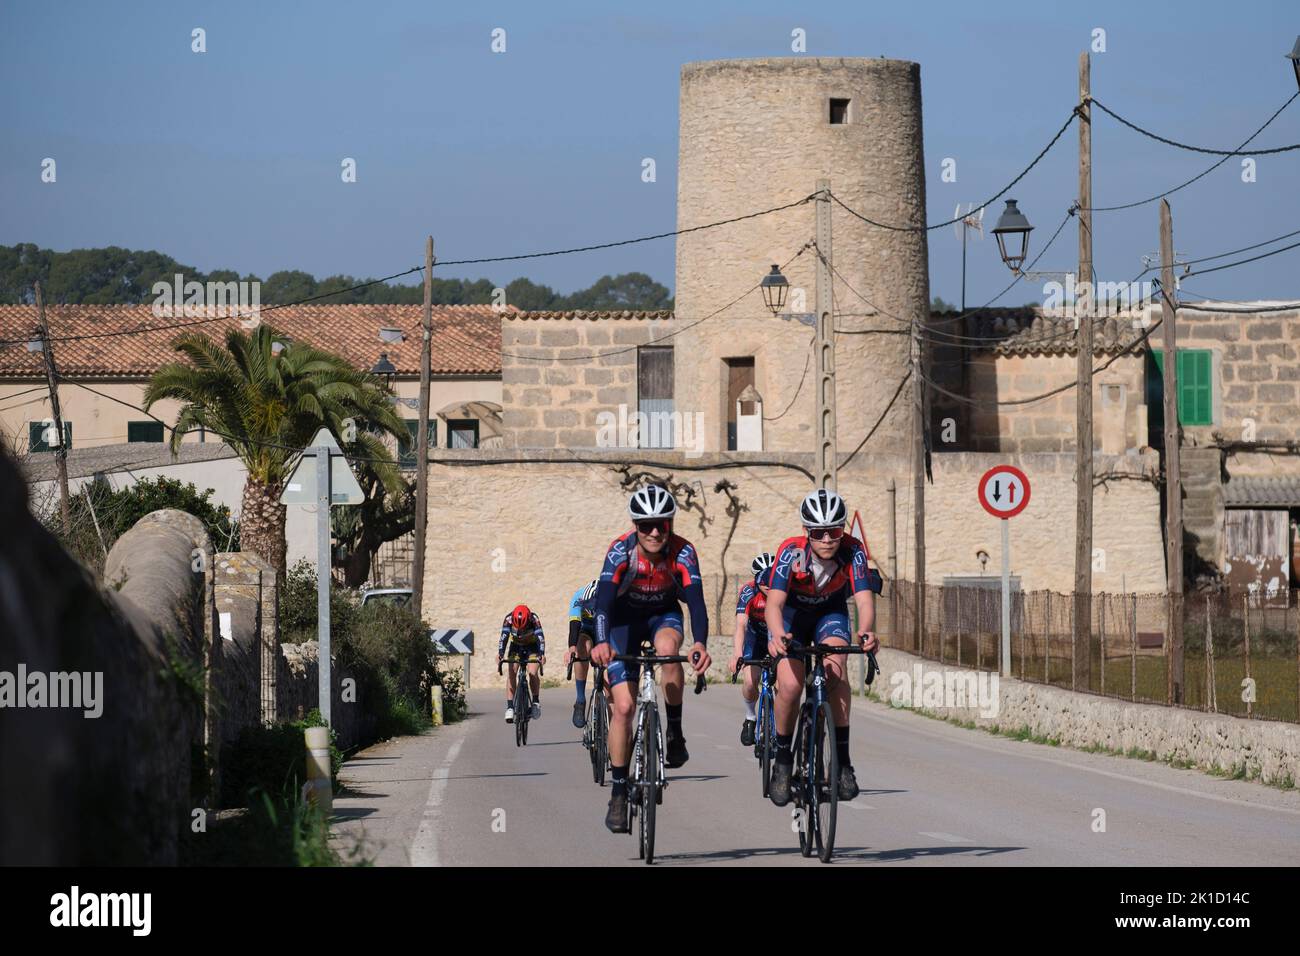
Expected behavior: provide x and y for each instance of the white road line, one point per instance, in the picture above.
(854, 805)
(424, 848)
(945, 837)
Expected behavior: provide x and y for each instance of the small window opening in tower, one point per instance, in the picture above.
(839, 111)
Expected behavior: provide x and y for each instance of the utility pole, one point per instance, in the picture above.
(825, 344)
(918, 485)
(422, 439)
(51, 378)
(1083, 305)
(1173, 469)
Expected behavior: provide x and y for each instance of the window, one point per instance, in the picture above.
(406, 447)
(740, 375)
(36, 435)
(654, 384)
(144, 431)
(839, 112)
(1195, 387)
(462, 433)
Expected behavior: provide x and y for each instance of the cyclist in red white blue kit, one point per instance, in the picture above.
(751, 638)
(522, 630)
(811, 581)
(647, 572)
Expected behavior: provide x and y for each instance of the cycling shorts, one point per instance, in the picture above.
(626, 635)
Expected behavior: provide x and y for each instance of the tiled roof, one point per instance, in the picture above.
(588, 315)
(84, 462)
(1261, 492)
(466, 338)
(1026, 331)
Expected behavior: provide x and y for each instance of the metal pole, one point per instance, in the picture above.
(323, 577)
(825, 342)
(892, 542)
(1005, 669)
(422, 438)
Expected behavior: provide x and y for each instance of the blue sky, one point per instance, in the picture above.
(231, 158)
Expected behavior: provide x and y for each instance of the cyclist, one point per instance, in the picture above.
(523, 631)
(808, 602)
(582, 627)
(751, 638)
(647, 570)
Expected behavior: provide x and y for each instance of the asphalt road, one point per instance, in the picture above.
(932, 795)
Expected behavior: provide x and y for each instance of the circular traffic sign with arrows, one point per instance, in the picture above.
(1004, 491)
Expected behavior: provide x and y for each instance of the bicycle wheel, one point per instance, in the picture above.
(599, 739)
(827, 778)
(650, 785)
(767, 730)
(522, 709)
(798, 785)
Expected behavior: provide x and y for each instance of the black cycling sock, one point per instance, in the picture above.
(842, 746)
(618, 780)
(674, 712)
(783, 753)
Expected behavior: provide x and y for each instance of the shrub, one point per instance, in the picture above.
(270, 759)
(298, 606)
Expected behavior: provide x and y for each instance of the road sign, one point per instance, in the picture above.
(1004, 491)
(452, 641)
(300, 489)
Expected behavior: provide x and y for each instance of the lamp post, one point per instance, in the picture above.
(1012, 233)
(775, 288)
(1294, 57)
(385, 369)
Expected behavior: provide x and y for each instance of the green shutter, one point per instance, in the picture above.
(144, 431)
(1195, 385)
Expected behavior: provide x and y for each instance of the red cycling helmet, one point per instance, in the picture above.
(520, 617)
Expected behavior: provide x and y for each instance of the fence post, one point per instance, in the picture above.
(959, 627)
(1167, 645)
(1101, 637)
(1133, 641)
(1047, 638)
(1245, 623)
(1074, 630)
(1209, 668)
(1024, 626)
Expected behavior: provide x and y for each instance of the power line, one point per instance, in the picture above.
(1241, 262)
(1234, 311)
(1231, 252)
(1195, 149)
(1200, 175)
(627, 242)
(939, 225)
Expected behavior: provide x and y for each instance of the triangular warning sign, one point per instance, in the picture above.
(300, 489)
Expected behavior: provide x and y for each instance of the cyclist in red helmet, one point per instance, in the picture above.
(523, 632)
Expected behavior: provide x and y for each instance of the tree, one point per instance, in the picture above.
(267, 408)
(381, 517)
(631, 290)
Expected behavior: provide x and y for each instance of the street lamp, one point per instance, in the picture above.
(385, 370)
(775, 286)
(1294, 57)
(1013, 228)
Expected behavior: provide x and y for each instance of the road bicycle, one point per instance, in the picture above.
(595, 731)
(647, 779)
(765, 716)
(815, 779)
(523, 700)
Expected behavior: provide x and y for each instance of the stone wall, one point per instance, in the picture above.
(537, 525)
(113, 789)
(1267, 750)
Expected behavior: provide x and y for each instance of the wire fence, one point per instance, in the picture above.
(1239, 657)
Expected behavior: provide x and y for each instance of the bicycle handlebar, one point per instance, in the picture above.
(568, 671)
(751, 661)
(521, 660)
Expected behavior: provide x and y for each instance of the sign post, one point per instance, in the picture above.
(323, 477)
(1004, 493)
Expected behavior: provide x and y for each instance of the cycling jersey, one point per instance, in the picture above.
(636, 596)
(812, 584)
(530, 639)
(583, 611)
(752, 603)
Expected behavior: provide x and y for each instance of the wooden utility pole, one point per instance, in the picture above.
(1173, 442)
(422, 439)
(918, 484)
(52, 379)
(825, 345)
(1083, 305)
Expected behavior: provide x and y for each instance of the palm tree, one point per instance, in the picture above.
(267, 407)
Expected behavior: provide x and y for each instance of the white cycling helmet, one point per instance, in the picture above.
(823, 509)
(652, 501)
(762, 563)
(589, 591)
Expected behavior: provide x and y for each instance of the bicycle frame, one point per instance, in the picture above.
(647, 696)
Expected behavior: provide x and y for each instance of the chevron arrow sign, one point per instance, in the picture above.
(452, 641)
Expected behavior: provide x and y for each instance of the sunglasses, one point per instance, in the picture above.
(650, 527)
(825, 534)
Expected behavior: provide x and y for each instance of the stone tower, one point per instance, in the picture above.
(760, 133)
